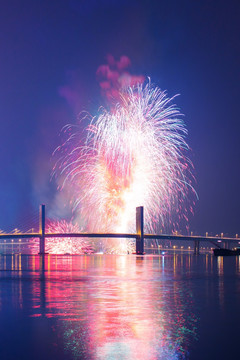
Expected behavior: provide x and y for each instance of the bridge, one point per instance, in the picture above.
(139, 236)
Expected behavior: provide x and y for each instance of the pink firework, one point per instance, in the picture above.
(132, 156)
(67, 245)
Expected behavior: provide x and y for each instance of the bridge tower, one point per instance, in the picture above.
(139, 231)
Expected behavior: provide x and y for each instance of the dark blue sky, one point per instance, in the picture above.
(186, 47)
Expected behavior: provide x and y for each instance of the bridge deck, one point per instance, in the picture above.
(120, 235)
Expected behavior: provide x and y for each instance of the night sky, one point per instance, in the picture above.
(49, 54)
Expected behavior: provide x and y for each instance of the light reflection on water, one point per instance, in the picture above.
(113, 307)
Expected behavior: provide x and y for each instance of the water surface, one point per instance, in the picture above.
(177, 306)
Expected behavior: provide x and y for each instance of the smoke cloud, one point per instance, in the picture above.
(114, 77)
(73, 90)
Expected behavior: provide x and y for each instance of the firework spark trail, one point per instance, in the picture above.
(68, 245)
(133, 155)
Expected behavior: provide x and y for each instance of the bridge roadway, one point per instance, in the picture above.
(212, 239)
(118, 235)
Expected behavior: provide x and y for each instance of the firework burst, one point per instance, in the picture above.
(133, 155)
(67, 245)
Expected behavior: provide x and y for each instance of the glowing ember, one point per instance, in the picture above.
(132, 156)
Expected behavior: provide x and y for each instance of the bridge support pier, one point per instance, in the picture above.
(226, 245)
(42, 229)
(196, 247)
(139, 231)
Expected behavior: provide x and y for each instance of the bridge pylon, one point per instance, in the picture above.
(139, 231)
(42, 229)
